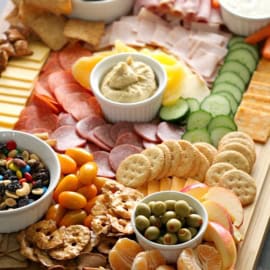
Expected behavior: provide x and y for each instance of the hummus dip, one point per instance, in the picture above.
(129, 81)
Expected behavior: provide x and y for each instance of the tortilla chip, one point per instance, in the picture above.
(56, 6)
(90, 32)
(49, 27)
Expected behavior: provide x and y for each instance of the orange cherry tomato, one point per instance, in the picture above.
(90, 204)
(88, 192)
(80, 155)
(73, 217)
(87, 173)
(87, 221)
(99, 182)
(56, 213)
(69, 183)
(67, 163)
(72, 200)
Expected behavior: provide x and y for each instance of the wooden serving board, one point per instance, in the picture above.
(257, 215)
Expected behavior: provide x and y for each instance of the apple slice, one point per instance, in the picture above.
(197, 190)
(229, 201)
(224, 243)
(217, 213)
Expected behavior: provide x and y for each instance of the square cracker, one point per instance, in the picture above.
(90, 32)
(49, 27)
(264, 65)
(260, 76)
(253, 122)
(56, 6)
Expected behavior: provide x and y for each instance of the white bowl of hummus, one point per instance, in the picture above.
(129, 87)
(244, 17)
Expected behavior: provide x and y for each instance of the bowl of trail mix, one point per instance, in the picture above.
(29, 172)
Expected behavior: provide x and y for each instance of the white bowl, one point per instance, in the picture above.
(239, 23)
(102, 10)
(171, 252)
(141, 111)
(19, 218)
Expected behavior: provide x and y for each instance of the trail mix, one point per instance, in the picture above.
(24, 178)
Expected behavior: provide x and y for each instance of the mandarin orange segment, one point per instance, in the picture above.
(188, 260)
(123, 253)
(80, 155)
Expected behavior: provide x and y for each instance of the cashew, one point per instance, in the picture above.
(25, 155)
(3, 205)
(10, 202)
(11, 195)
(24, 190)
(6, 182)
(37, 191)
(13, 153)
(34, 156)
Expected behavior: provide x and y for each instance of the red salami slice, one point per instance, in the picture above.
(66, 137)
(104, 167)
(168, 131)
(87, 124)
(120, 128)
(66, 119)
(91, 147)
(61, 77)
(52, 63)
(71, 53)
(129, 138)
(102, 133)
(120, 152)
(147, 131)
(41, 90)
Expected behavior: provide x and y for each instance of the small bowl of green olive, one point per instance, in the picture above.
(169, 221)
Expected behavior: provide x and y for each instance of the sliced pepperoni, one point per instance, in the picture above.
(120, 152)
(86, 105)
(168, 131)
(60, 77)
(104, 167)
(66, 137)
(41, 90)
(147, 131)
(43, 80)
(102, 133)
(71, 53)
(147, 144)
(52, 63)
(120, 128)
(129, 138)
(84, 126)
(66, 119)
(92, 138)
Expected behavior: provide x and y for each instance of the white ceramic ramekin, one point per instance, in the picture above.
(171, 252)
(142, 111)
(241, 24)
(19, 218)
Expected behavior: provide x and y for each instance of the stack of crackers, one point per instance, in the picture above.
(253, 114)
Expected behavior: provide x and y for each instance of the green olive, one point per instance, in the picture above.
(142, 222)
(152, 233)
(182, 208)
(194, 220)
(167, 216)
(170, 204)
(184, 235)
(173, 225)
(155, 221)
(150, 204)
(143, 209)
(193, 231)
(159, 208)
(170, 239)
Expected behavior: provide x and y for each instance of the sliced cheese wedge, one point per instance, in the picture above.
(10, 109)
(13, 100)
(24, 63)
(40, 51)
(14, 92)
(22, 74)
(10, 83)
(7, 121)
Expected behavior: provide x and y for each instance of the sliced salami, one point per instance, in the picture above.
(102, 133)
(66, 137)
(66, 119)
(147, 131)
(61, 77)
(147, 144)
(129, 138)
(120, 128)
(91, 147)
(52, 63)
(120, 152)
(104, 167)
(168, 131)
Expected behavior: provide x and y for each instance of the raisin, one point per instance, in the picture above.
(22, 201)
(13, 186)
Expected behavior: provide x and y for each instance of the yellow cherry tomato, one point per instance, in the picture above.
(67, 163)
(72, 200)
(88, 191)
(56, 213)
(80, 155)
(87, 173)
(73, 217)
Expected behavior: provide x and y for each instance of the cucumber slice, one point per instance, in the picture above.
(231, 77)
(230, 88)
(218, 133)
(231, 99)
(235, 40)
(198, 119)
(197, 135)
(221, 121)
(243, 56)
(238, 68)
(175, 112)
(193, 104)
(216, 105)
(252, 49)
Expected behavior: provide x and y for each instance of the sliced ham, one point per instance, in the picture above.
(175, 34)
(102, 133)
(150, 4)
(204, 11)
(148, 144)
(168, 131)
(66, 119)
(119, 128)
(191, 7)
(66, 137)
(104, 167)
(120, 152)
(215, 17)
(147, 131)
(161, 31)
(129, 138)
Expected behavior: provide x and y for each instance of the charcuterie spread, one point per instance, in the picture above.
(175, 191)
